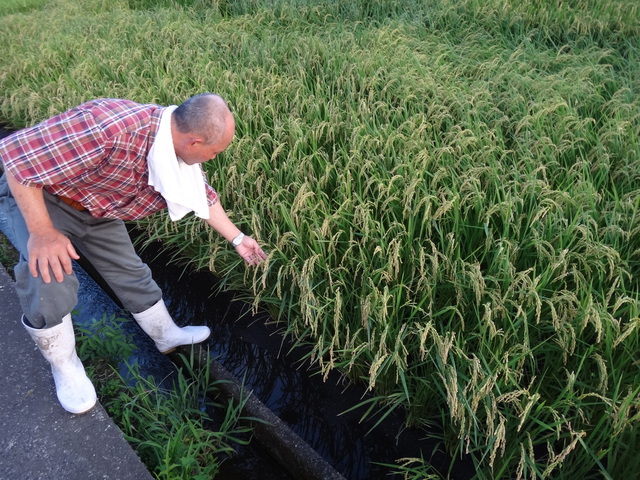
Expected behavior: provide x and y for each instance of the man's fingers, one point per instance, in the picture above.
(33, 266)
(72, 252)
(251, 252)
(43, 267)
(66, 266)
(47, 266)
(256, 256)
(57, 266)
(66, 261)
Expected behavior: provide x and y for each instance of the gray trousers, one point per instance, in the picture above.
(105, 243)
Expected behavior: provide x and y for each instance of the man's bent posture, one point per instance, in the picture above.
(68, 185)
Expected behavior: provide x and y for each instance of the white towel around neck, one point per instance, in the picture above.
(181, 185)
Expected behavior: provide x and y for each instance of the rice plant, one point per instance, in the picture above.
(447, 191)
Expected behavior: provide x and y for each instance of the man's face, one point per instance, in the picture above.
(200, 152)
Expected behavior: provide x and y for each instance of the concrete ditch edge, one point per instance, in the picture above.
(39, 439)
(276, 438)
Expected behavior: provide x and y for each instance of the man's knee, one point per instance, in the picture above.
(45, 304)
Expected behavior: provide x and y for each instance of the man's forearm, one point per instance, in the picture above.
(246, 247)
(30, 200)
(221, 223)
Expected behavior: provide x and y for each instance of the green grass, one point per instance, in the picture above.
(8, 254)
(181, 427)
(20, 6)
(448, 192)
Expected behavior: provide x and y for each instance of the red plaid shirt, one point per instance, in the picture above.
(96, 154)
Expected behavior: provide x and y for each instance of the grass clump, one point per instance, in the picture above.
(181, 427)
(20, 6)
(8, 254)
(447, 190)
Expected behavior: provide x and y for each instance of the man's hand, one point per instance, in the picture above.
(47, 247)
(50, 250)
(250, 251)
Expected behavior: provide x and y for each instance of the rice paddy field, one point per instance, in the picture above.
(448, 190)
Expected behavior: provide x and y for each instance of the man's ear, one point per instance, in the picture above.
(195, 141)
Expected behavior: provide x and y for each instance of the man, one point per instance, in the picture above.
(68, 184)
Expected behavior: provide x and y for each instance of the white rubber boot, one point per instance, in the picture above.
(158, 324)
(58, 346)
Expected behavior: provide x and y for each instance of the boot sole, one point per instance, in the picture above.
(81, 412)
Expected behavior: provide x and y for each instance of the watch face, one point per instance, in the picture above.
(238, 240)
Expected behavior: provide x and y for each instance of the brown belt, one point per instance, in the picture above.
(78, 206)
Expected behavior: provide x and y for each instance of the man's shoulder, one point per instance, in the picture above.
(113, 103)
(116, 115)
(116, 107)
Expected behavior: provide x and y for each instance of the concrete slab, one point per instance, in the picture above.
(39, 439)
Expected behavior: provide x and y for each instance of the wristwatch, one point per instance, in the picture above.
(238, 240)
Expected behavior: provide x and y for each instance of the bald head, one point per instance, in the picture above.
(206, 115)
